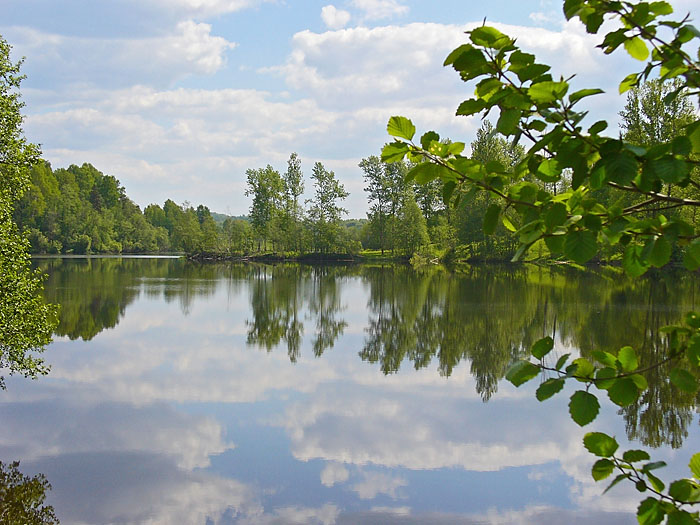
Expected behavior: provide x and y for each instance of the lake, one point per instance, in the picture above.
(248, 393)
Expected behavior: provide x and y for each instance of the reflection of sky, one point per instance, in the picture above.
(171, 418)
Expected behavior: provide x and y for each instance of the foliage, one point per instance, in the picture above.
(26, 322)
(325, 213)
(22, 497)
(579, 222)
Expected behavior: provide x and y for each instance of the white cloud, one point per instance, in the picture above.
(207, 8)
(380, 9)
(334, 473)
(375, 483)
(334, 18)
(79, 62)
(58, 427)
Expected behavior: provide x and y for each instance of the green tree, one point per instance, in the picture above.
(26, 322)
(576, 224)
(293, 183)
(325, 213)
(266, 187)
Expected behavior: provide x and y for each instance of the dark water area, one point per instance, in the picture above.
(233, 393)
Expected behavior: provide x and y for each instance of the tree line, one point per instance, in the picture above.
(81, 210)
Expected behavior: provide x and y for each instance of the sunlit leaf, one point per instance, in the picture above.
(602, 469)
(600, 444)
(394, 151)
(637, 48)
(401, 127)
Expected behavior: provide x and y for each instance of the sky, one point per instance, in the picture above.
(178, 98)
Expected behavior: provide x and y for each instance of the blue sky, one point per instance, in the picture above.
(177, 98)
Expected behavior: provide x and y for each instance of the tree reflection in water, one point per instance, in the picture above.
(22, 497)
(486, 316)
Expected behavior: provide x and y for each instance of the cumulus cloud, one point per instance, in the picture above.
(207, 8)
(334, 473)
(380, 9)
(189, 48)
(334, 18)
(60, 427)
(375, 483)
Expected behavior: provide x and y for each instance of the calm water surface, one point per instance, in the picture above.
(219, 394)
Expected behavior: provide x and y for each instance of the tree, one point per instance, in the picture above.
(265, 185)
(26, 322)
(293, 182)
(325, 213)
(576, 224)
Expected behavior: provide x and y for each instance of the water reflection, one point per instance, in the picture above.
(486, 316)
(189, 386)
(22, 497)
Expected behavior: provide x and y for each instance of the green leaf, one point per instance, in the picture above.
(600, 444)
(547, 91)
(508, 223)
(684, 490)
(684, 380)
(580, 246)
(681, 517)
(562, 361)
(584, 368)
(489, 37)
(508, 121)
(627, 358)
(555, 216)
(640, 381)
(694, 465)
(401, 127)
(491, 218)
(632, 456)
(660, 253)
(693, 352)
(656, 482)
(470, 107)
(654, 465)
(661, 8)
(542, 347)
(424, 172)
(628, 83)
(549, 388)
(583, 407)
(578, 95)
(637, 48)
(632, 261)
(605, 358)
(650, 512)
(602, 469)
(521, 372)
(623, 392)
(394, 151)
(596, 128)
(617, 480)
(427, 139)
(549, 171)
